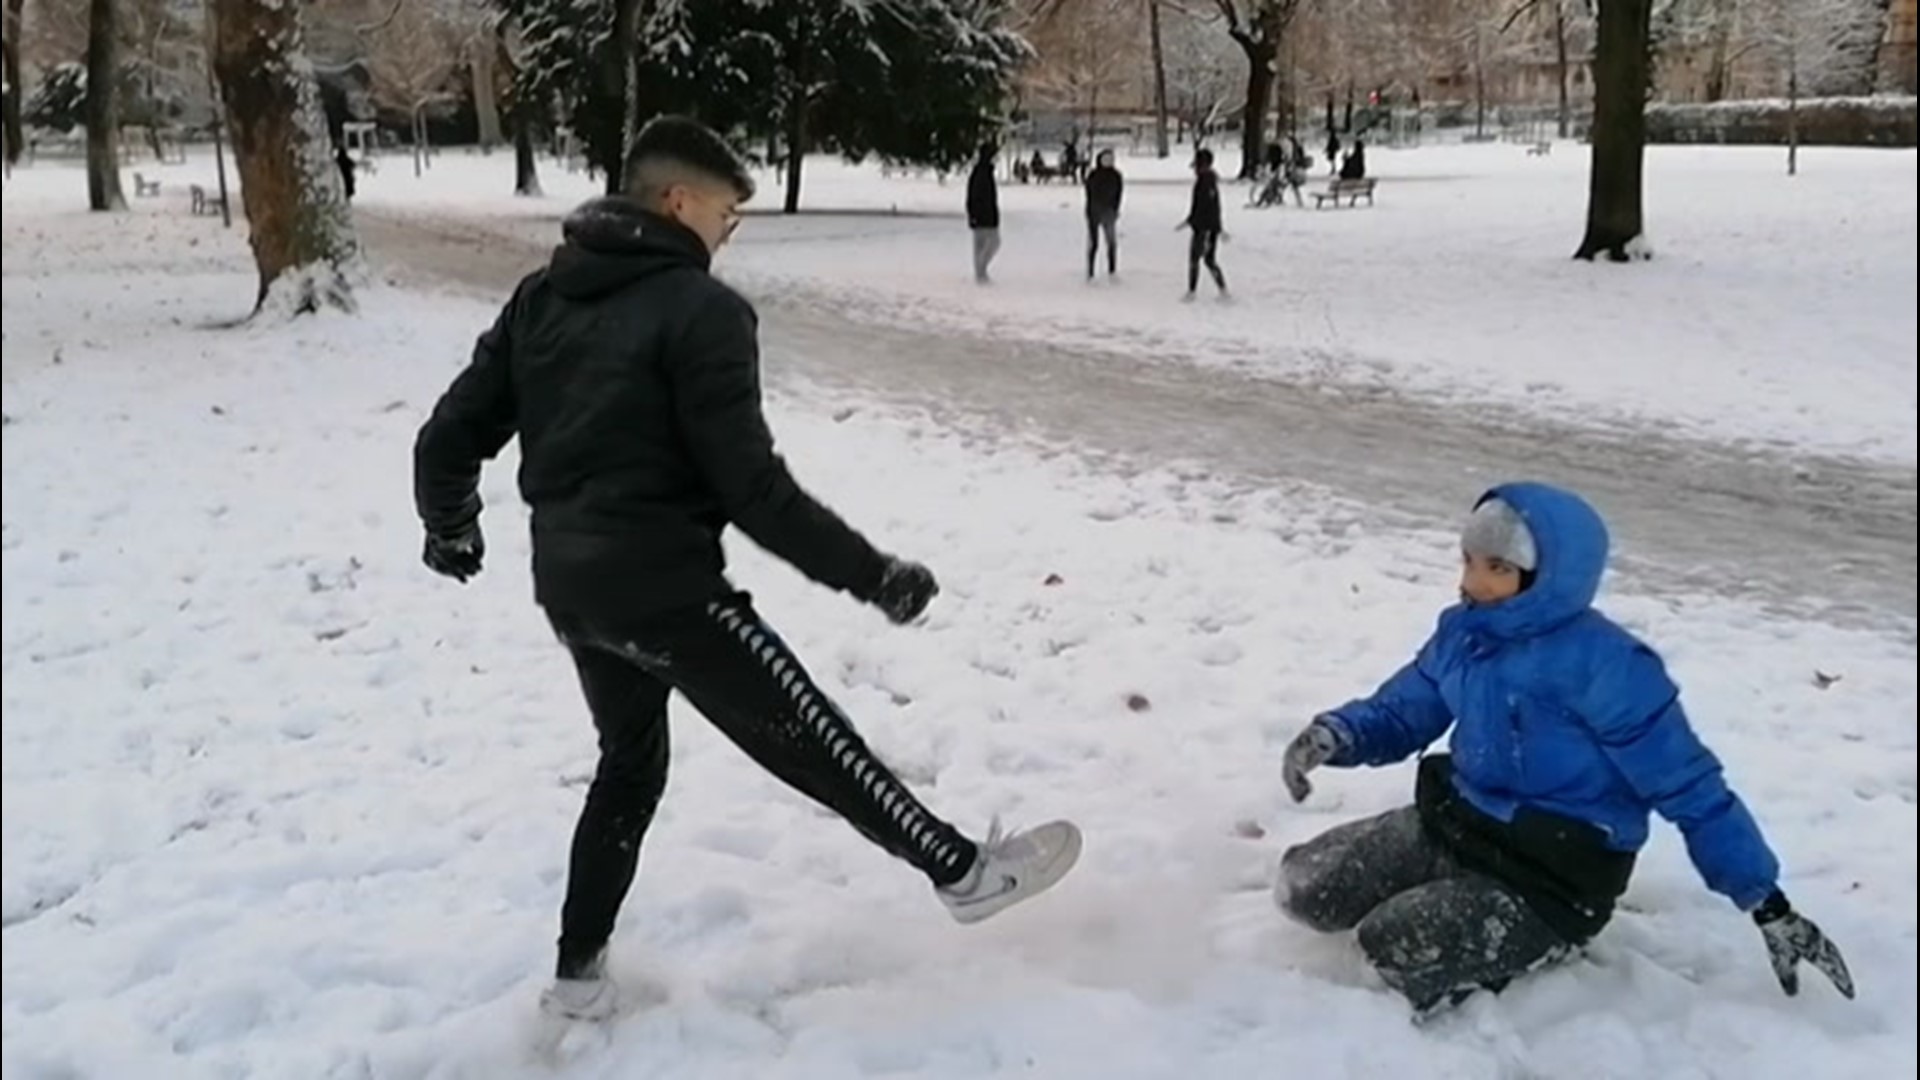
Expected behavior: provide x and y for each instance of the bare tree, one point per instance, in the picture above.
(1084, 57)
(1818, 46)
(1556, 19)
(103, 113)
(1202, 72)
(301, 233)
(1259, 27)
(15, 130)
(522, 112)
(412, 59)
(1622, 73)
(1159, 79)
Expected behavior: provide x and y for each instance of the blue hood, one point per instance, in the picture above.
(1572, 544)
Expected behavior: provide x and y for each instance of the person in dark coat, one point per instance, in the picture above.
(631, 377)
(1355, 167)
(1566, 734)
(1333, 150)
(1276, 158)
(1104, 187)
(344, 162)
(983, 212)
(1203, 218)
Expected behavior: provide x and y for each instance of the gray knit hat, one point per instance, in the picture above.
(1496, 531)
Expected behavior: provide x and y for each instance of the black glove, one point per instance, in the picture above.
(905, 590)
(1792, 938)
(456, 554)
(1309, 750)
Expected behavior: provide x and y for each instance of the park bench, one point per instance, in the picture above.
(1351, 190)
(1540, 149)
(144, 188)
(204, 203)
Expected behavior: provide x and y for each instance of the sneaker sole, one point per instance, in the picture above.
(1046, 878)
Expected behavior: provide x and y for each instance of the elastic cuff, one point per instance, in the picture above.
(1774, 907)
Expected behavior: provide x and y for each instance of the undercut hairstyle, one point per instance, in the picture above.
(673, 151)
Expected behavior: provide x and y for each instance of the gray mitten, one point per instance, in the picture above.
(1309, 750)
(1791, 938)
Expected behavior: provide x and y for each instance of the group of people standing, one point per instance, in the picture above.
(1104, 188)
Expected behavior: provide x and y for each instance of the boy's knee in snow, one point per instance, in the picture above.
(1303, 891)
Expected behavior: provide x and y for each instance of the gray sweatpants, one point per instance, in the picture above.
(986, 244)
(1435, 931)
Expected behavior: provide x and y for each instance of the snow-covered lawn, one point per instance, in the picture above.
(279, 803)
(1778, 309)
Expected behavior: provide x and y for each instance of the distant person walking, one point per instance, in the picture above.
(1203, 217)
(1104, 186)
(983, 212)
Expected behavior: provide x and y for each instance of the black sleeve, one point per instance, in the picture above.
(1119, 189)
(715, 372)
(469, 425)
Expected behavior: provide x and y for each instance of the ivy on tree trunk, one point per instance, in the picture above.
(1622, 66)
(300, 230)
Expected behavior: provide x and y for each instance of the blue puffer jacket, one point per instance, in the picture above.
(1562, 710)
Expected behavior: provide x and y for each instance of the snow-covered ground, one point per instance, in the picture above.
(279, 803)
(1778, 310)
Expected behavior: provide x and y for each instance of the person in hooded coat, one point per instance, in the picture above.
(1566, 733)
(631, 377)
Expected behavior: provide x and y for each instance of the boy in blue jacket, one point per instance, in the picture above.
(1566, 732)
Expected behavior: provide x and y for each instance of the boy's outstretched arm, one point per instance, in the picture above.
(1635, 711)
(471, 423)
(1399, 720)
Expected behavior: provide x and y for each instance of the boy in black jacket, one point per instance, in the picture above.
(632, 379)
(1203, 217)
(1104, 187)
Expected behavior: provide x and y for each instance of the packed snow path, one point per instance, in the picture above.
(1800, 533)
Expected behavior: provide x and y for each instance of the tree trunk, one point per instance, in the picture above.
(1621, 66)
(796, 149)
(526, 170)
(1560, 65)
(419, 166)
(103, 113)
(1793, 112)
(1719, 62)
(1159, 80)
(300, 230)
(16, 134)
(1253, 115)
(1479, 99)
(486, 103)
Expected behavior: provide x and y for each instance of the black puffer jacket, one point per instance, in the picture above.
(632, 378)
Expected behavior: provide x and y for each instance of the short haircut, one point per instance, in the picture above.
(1204, 157)
(676, 150)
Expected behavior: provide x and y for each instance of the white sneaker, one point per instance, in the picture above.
(590, 996)
(1013, 868)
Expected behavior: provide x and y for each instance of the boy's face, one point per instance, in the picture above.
(1486, 580)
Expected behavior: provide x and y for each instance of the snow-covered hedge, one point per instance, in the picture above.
(1834, 121)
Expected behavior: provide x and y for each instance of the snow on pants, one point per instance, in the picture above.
(742, 677)
(1433, 930)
